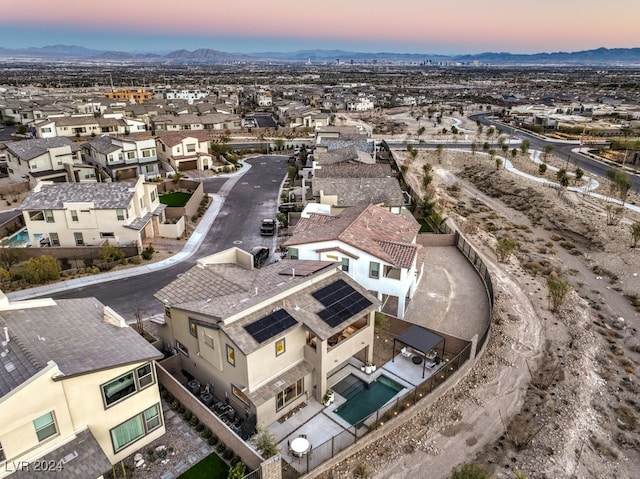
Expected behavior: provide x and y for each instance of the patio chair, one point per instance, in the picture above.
(405, 352)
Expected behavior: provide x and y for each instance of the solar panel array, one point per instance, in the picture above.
(341, 302)
(270, 326)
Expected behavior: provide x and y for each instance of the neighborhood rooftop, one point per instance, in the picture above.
(72, 333)
(103, 195)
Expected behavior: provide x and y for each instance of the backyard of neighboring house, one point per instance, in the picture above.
(175, 198)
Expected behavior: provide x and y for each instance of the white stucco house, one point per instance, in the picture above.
(79, 214)
(375, 247)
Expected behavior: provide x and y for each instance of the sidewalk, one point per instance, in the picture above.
(189, 248)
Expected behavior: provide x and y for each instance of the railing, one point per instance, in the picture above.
(330, 448)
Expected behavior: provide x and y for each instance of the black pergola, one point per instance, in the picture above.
(421, 340)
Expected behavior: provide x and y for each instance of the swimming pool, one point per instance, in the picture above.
(362, 398)
(18, 240)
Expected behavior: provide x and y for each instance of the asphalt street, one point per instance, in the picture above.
(248, 198)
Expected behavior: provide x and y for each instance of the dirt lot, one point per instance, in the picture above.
(555, 394)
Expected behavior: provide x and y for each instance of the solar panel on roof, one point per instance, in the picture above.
(270, 326)
(341, 302)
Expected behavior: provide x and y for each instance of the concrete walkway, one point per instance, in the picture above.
(189, 248)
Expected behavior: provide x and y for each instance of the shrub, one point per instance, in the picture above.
(194, 421)
(41, 269)
(187, 415)
(134, 260)
(147, 253)
(212, 441)
(199, 426)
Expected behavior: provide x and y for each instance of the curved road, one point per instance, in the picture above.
(562, 150)
(248, 198)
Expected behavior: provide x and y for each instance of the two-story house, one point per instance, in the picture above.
(47, 159)
(266, 339)
(375, 247)
(79, 214)
(184, 151)
(78, 388)
(123, 159)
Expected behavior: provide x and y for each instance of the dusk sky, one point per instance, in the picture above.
(246, 26)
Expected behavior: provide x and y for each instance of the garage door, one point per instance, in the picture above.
(188, 165)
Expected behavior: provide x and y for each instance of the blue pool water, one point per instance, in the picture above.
(18, 240)
(362, 398)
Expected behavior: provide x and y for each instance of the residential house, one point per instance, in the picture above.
(212, 121)
(79, 214)
(47, 159)
(78, 389)
(375, 247)
(123, 158)
(139, 95)
(80, 126)
(266, 339)
(184, 151)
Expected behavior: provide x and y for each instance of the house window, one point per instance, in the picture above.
(345, 264)
(167, 311)
(138, 426)
(182, 348)
(131, 155)
(289, 394)
(144, 375)
(374, 270)
(79, 239)
(149, 168)
(74, 215)
(3, 457)
(280, 347)
(208, 340)
(191, 148)
(104, 234)
(36, 215)
(153, 194)
(45, 426)
(147, 153)
(293, 253)
(120, 214)
(55, 239)
(231, 355)
(237, 392)
(129, 383)
(193, 327)
(48, 216)
(118, 389)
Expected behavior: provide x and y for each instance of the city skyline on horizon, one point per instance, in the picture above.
(412, 26)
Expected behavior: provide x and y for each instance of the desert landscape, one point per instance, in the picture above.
(555, 393)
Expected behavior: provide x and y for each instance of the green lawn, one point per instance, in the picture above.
(211, 467)
(177, 198)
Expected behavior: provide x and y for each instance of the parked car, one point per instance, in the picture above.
(287, 207)
(260, 255)
(268, 227)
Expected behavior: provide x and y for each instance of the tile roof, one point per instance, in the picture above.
(81, 458)
(102, 144)
(173, 139)
(73, 334)
(221, 291)
(355, 170)
(372, 229)
(357, 191)
(29, 149)
(102, 195)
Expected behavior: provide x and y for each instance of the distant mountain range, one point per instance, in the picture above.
(600, 56)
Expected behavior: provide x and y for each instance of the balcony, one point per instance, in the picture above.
(346, 333)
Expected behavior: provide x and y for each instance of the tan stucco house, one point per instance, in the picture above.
(78, 389)
(266, 339)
